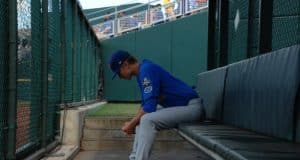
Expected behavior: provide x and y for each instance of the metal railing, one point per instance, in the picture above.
(104, 29)
(195, 5)
(154, 12)
(131, 22)
(166, 11)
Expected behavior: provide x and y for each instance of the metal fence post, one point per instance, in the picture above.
(63, 49)
(265, 28)
(211, 48)
(81, 56)
(44, 71)
(224, 12)
(74, 49)
(12, 79)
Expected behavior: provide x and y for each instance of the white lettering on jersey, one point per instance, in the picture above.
(148, 89)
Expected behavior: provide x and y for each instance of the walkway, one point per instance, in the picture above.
(172, 154)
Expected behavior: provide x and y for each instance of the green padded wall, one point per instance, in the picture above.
(189, 47)
(155, 44)
(178, 46)
(117, 89)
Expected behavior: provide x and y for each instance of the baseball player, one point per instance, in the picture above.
(180, 103)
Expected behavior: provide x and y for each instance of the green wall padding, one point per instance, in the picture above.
(155, 44)
(178, 46)
(189, 47)
(118, 89)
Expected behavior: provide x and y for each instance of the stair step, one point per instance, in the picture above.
(105, 122)
(99, 134)
(104, 133)
(126, 144)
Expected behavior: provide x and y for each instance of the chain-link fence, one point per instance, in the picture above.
(113, 21)
(70, 54)
(242, 29)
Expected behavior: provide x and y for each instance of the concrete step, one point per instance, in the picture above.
(105, 122)
(100, 134)
(103, 133)
(126, 145)
(64, 152)
(92, 145)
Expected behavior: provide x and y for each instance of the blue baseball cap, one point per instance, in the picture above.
(116, 60)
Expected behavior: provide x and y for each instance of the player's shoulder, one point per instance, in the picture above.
(148, 65)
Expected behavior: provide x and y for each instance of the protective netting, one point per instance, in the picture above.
(69, 52)
(244, 27)
(79, 61)
(54, 67)
(28, 77)
(286, 23)
(78, 32)
(237, 30)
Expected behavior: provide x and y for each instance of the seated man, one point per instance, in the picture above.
(180, 103)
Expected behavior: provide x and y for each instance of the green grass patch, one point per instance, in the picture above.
(115, 109)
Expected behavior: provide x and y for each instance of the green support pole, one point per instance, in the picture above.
(62, 64)
(250, 29)
(211, 57)
(44, 71)
(223, 41)
(12, 79)
(63, 50)
(85, 63)
(95, 72)
(74, 49)
(81, 57)
(265, 26)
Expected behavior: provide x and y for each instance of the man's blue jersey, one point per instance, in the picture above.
(159, 87)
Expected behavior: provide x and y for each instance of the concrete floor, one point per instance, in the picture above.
(171, 154)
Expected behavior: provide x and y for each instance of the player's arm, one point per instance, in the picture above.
(129, 127)
(149, 85)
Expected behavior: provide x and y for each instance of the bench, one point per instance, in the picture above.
(252, 109)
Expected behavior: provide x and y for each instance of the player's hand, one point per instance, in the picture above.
(128, 129)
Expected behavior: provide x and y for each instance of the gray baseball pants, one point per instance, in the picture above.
(165, 118)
